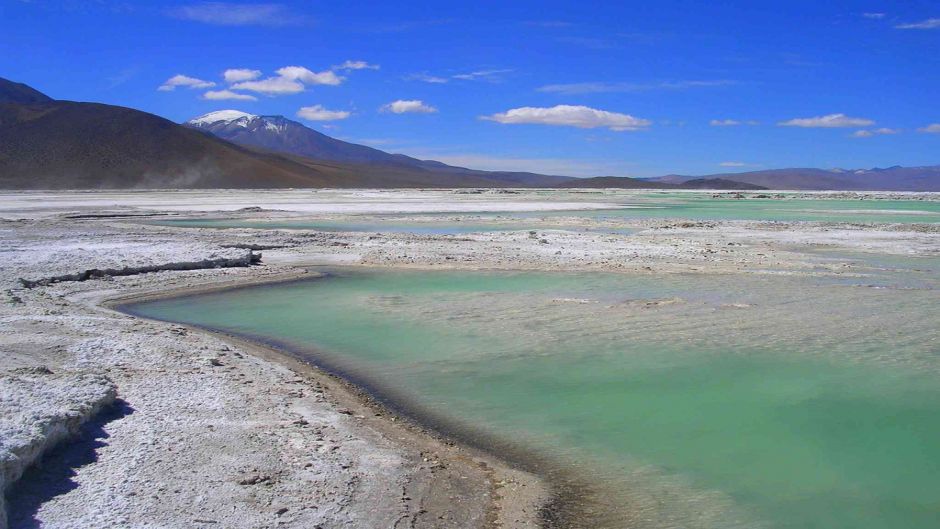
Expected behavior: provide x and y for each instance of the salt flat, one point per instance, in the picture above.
(298, 201)
(216, 429)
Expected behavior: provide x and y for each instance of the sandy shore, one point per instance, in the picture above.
(210, 430)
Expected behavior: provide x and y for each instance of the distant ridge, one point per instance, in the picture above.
(622, 182)
(49, 144)
(52, 144)
(277, 133)
(719, 183)
(615, 182)
(895, 178)
(282, 135)
(21, 94)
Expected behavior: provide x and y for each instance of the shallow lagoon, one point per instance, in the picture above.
(691, 206)
(702, 206)
(691, 401)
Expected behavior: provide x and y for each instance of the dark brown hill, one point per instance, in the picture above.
(284, 136)
(67, 145)
(50, 144)
(924, 178)
(622, 182)
(20, 93)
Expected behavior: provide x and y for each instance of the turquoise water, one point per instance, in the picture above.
(691, 206)
(704, 207)
(690, 401)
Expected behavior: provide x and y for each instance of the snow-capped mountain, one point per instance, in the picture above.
(53, 144)
(277, 133)
(282, 135)
(221, 117)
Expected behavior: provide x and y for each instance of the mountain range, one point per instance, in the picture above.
(55, 144)
(285, 136)
(620, 182)
(896, 178)
(49, 144)
(279, 134)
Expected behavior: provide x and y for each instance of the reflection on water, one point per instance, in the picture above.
(694, 401)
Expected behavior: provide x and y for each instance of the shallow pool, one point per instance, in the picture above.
(688, 400)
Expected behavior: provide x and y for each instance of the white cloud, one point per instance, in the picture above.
(299, 73)
(828, 121)
(930, 23)
(482, 75)
(318, 113)
(306, 76)
(238, 75)
(874, 132)
(289, 80)
(427, 78)
(874, 16)
(600, 88)
(492, 76)
(356, 65)
(408, 106)
(219, 95)
(933, 128)
(409, 25)
(184, 80)
(733, 164)
(271, 86)
(232, 14)
(570, 116)
(731, 122)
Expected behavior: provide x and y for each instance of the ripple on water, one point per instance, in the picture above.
(688, 401)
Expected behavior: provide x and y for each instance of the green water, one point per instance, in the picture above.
(704, 207)
(691, 401)
(690, 206)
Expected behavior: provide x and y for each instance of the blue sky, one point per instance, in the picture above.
(582, 88)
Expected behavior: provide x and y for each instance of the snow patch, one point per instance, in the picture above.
(226, 116)
(271, 126)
